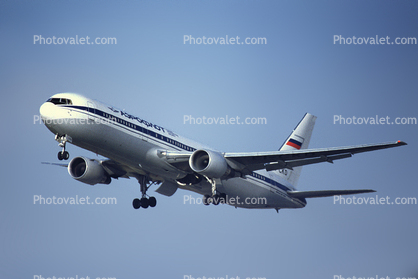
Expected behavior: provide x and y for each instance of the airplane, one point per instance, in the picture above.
(153, 154)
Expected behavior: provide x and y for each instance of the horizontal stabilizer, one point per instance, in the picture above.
(325, 193)
(55, 164)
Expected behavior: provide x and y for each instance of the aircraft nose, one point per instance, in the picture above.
(46, 111)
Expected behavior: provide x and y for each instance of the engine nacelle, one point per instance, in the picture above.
(88, 171)
(209, 163)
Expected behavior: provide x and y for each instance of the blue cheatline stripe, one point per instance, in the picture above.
(168, 140)
(270, 181)
(111, 118)
(277, 184)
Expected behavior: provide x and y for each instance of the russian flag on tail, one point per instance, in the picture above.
(294, 143)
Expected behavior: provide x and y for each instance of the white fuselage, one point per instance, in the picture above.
(138, 143)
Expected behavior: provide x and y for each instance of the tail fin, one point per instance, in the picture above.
(298, 139)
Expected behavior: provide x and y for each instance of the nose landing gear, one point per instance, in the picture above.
(63, 155)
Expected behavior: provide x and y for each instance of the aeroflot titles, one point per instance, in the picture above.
(142, 121)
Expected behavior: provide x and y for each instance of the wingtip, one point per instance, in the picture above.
(399, 142)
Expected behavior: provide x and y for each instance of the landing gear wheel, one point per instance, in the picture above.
(66, 155)
(136, 203)
(222, 197)
(216, 199)
(207, 200)
(63, 155)
(144, 203)
(152, 201)
(63, 139)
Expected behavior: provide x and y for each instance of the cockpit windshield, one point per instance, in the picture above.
(60, 101)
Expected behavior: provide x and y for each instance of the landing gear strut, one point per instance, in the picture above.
(216, 197)
(145, 201)
(63, 155)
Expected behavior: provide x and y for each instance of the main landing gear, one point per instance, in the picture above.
(216, 197)
(146, 201)
(63, 155)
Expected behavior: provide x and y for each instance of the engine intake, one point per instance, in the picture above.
(209, 163)
(88, 171)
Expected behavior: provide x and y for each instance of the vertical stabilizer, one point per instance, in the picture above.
(298, 139)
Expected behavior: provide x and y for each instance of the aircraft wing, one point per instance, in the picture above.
(248, 162)
(112, 168)
(325, 193)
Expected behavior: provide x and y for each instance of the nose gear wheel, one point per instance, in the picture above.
(62, 140)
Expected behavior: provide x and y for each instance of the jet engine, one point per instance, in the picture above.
(88, 171)
(209, 163)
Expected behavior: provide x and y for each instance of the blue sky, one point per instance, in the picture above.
(151, 73)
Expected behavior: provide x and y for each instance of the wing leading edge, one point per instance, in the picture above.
(247, 162)
(326, 193)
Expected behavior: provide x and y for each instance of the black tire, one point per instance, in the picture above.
(216, 199)
(144, 203)
(136, 203)
(66, 155)
(222, 197)
(206, 200)
(152, 201)
(60, 156)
